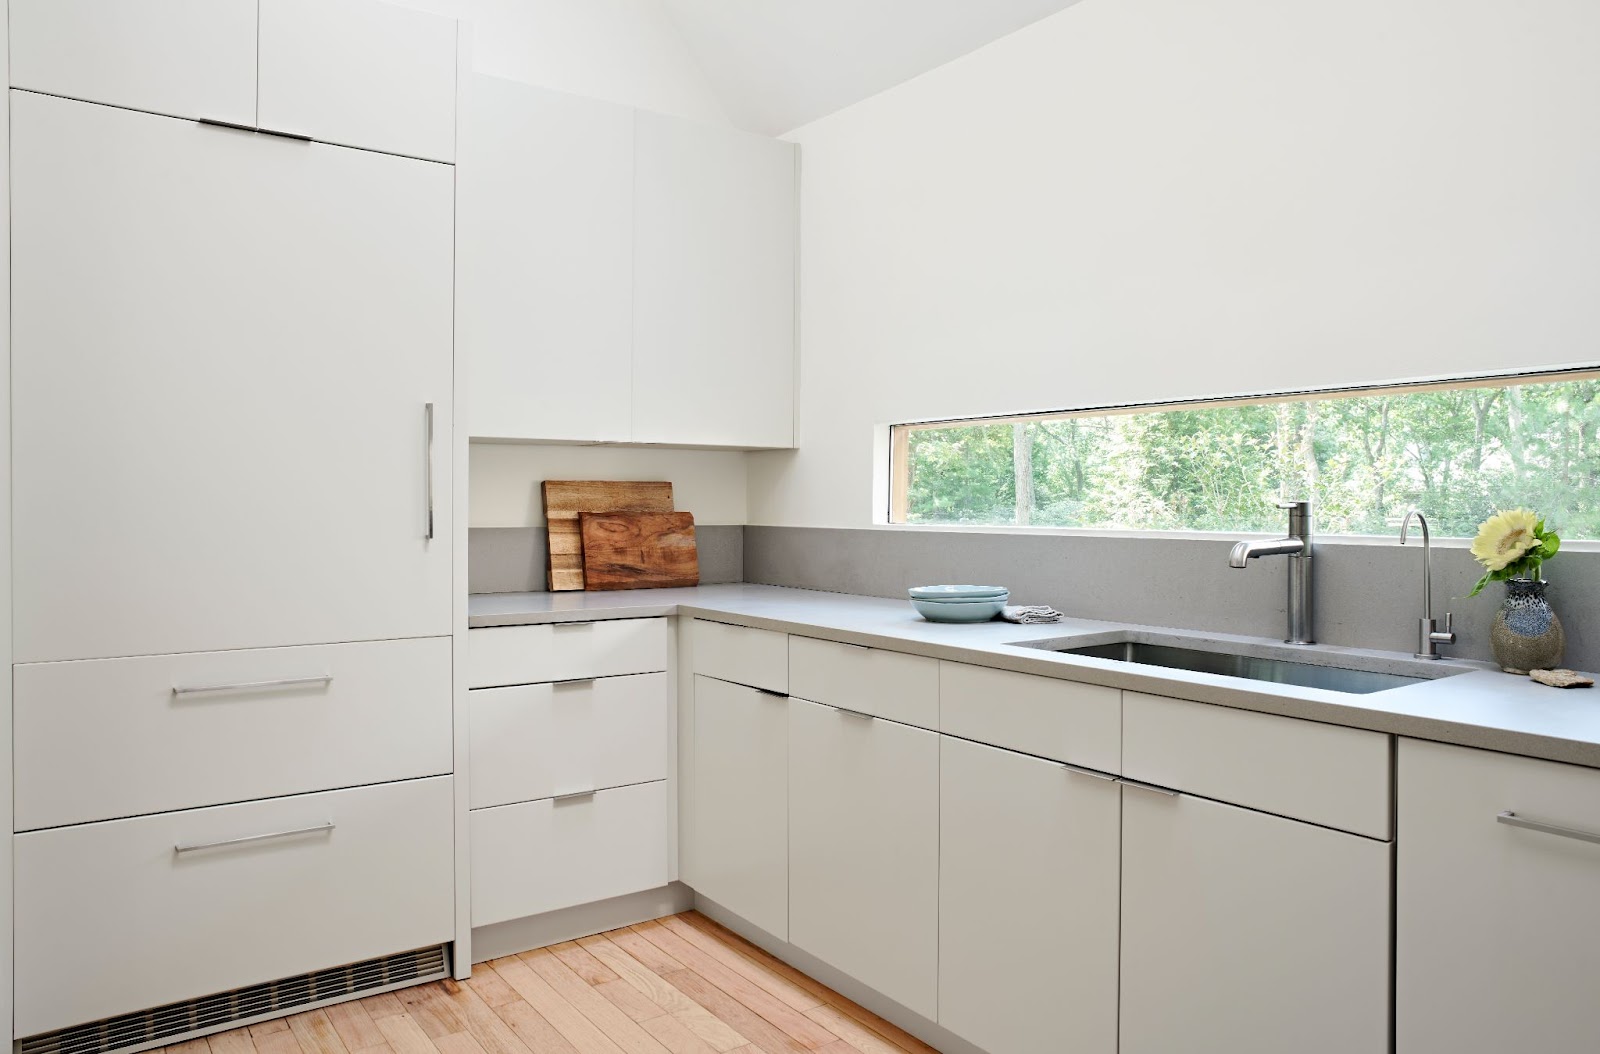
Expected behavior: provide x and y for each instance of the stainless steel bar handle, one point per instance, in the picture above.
(1136, 785)
(1079, 770)
(1511, 819)
(247, 686)
(195, 847)
(857, 714)
(572, 682)
(574, 795)
(427, 417)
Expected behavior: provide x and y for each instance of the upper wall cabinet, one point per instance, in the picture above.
(544, 261)
(189, 58)
(714, 286)
(359, 73)
(352, 72)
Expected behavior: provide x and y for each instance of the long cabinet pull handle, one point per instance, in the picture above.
(770, 694)
(574, 795)
(1511, 819)
(195, 847)
(1151, 787)
(857, 714)
(297, 136)
(217, 122)
(573, 681)
(427, 466)
(247, 686)
(1079, 770)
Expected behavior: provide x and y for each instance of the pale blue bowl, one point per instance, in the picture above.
(958, 611)
(957, 592)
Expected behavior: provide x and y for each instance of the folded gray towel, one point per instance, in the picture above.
(1030, 615)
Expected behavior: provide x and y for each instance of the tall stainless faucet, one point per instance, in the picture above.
(1297, 547)
(1429, 635)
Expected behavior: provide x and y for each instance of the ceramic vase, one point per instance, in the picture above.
(1527, 634)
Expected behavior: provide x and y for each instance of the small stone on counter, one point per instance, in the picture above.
(1562, 678)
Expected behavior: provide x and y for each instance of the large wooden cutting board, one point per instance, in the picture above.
(639, 550)
(565, 499)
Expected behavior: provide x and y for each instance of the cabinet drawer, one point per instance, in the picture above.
(111, 917)
(1324, 774)
(539, 740)
(563, 651)
(1077, 723)
(103, 738)
(545, 855)
(758, 658)
(887, 684)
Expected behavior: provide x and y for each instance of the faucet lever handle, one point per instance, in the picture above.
(1448, 634)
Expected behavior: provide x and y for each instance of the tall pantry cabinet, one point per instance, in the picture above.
(232, 507)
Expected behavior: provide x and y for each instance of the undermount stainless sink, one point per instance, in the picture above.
(1248, 667)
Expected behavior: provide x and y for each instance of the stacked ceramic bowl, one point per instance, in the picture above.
(959, 603)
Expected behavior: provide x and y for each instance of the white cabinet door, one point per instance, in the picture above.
(223, 347)
(1029, 865)
(544, 262)
(360, 73)
(714, 286)
(741, 800)
(1248, 933)
(188, 58)
(1497, 926)
(864, 850)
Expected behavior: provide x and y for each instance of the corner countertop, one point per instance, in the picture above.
(1477, 706)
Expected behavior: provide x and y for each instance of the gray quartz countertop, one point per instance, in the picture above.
(1478, 706)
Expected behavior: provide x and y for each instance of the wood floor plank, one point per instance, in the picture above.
(354, 1025)
(315, 1033)
(266, 1028)
(623, 1030)
(191, 1046)
(404, 1034)
(428, 1005)
(484, 1025)
(673, 1034)
(531, 1027)
(281, 1041)
(726, 1008)
(580, 962)
(457, 1043)
(631, 941)
(235, 1041)
(627, 999)
(382, 1005)
(757, 973)
(792, 1022)
(381, 1048)
(583, 1034)
(858, 1036)
(646, 981)
(490, 987)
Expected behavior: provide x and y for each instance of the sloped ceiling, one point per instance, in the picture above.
(779, 64)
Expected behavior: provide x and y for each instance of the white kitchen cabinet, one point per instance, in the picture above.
(188, 58)
(1029, 864)
(1249, 933)
(563, 651)
(544, 262)
(359, 73)
(225, 351)
(741, 654)
(741, 802)
(130, 914)
(864, 850)
(1497, 926)
(714, 285)
(890, 684)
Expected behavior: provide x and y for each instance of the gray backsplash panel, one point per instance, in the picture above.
(1367, 595)
(511, 559)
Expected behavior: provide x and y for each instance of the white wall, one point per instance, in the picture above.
(1148, 199)
(624, 51)
(505, 479)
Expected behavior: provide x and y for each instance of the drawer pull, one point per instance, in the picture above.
(572, 682)
(247, 839)
(1511, 819)
(246, 686)
(858, 715)
(1151, 787)
(574, 795)
(1079, 770)
(571, 625)
(770, 694)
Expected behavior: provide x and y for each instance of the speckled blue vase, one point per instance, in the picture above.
(1526, 633)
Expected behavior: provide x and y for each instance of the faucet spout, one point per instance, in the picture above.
(1296, 545)
(1429, 635)
(1244, 552)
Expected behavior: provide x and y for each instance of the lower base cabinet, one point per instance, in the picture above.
(1029, 864)
(1497, 927)
(131, 914)
(1249, 933)
(864, 849)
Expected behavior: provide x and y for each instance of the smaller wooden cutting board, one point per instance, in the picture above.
(639, 550)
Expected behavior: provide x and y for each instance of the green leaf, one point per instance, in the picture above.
(1552, 545)
(1485, 580)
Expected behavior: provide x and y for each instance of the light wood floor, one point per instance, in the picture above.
(682, 985)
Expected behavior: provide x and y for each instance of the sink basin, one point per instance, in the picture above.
(1248, 667)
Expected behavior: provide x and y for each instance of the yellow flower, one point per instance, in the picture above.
(1504, 537)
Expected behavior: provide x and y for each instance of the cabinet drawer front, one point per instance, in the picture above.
(867, 680)
(1324, 774)
(545, 855)
(758, 658)
(539, 740)
(171, 732)
(111, 918)
(1496, 932)
(563, 651)
(1077, 723)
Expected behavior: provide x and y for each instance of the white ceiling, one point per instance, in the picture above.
(779, 64)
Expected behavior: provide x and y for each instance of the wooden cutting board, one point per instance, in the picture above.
(565, 499)
(639, 550)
